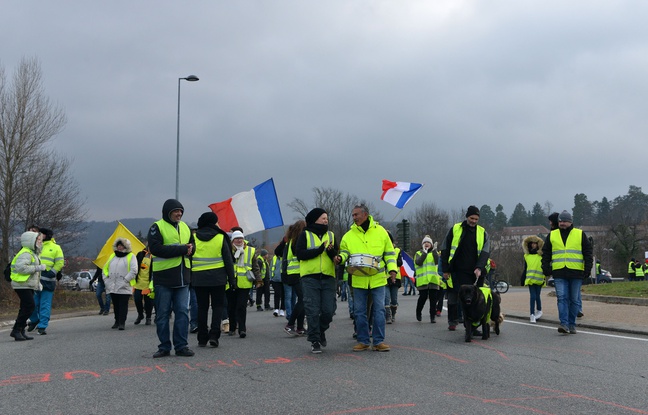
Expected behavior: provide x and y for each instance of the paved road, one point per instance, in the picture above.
(84, 367)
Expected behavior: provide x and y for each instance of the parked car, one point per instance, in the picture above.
(82, 279)
(605, 278)
(67, 283)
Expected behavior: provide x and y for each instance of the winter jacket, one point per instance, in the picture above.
(120, 269)
(28, 263)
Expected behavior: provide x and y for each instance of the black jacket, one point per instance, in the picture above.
(565, 272)
(217, 276)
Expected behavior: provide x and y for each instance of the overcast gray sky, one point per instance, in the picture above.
(484, 102)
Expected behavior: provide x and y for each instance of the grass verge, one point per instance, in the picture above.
(636, 289)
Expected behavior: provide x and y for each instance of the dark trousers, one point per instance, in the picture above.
(143, 304)
(120, 307)
(27, 307)
(424, 294)
(279, 300)
(263, 292)
(237, 308)
(298, 313)
(319, 305)
(205, 296)
(440, 296)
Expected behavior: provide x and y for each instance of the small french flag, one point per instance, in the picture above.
(399, 193)
(254, 210)
(407, 269)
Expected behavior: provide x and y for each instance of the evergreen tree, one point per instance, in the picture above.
(486, 217)
(500, 218)
(538, 215)
(520, 217)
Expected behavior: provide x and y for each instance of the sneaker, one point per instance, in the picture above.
(275, 313)
(282, 313)
(31, 326)
(106, 312)
(572, 330)
(360, 347)
(42, 332)
(148, 322)
(316, 348)
(259, 308)
(452, 327)
(290, 330)
(438, 313)
(538, 314)
(139, 319)
(193, 329)
(301, 332)
(213, 342)
(580, 314)
(202, 344)
(532, 319)
(101, 312)
(382, 347)
(186, 352)
(161, 353)
(563, 329)
(242, 334)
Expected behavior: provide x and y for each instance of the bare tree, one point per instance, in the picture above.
(34, 182)
(428, 220)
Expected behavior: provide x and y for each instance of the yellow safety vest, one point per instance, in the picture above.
(292, 266)
(241, 272)
(143, 274)
(321, 264)
(426, 273)
(640, 271)
(630, 269)
(15, 276)
(204, 259)
(397, 252)
(457, 230)
(569, 255)
(172, 236)
(52, 257)
(534, 275)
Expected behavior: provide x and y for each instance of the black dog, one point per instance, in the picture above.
(477, 305)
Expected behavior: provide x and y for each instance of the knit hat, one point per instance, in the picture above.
(47, 234)
(565, 217)
(207, 218)
(427, 239)
(553, 218)
(263, 252)
(472, 210)
(313, 215)
(237, 234)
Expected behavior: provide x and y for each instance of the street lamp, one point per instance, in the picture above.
(190, 78)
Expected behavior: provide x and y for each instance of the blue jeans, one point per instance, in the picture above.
(176, 299)
(568, 294)
(391, 295)
(360, 310)
(535, 302)
(290, 298)
(43, 310)
(101, 288)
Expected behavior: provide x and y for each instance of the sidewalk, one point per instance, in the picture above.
(605, 313)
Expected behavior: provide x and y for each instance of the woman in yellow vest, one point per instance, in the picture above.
(248, 274)
(25, 279)
(292, 285)
(532, 274)
(427, 278)
(118, 272)
(143, 303)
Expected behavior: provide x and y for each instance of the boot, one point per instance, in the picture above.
(17, 335)
(388, 316)
(139, 318)
(25, 335)
(393, 311)
(148, 322)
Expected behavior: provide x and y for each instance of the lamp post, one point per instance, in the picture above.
(190, 78)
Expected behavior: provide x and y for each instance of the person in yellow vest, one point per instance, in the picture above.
(52, 257)
(212, 270)
(247, 272)
(26, 270)
(172, 245)
(290, 277)
(391, 290)
(567, 256)
(464, 255)
(639, 271)
(316, 251)
(532, 274)
(367, 237)
(263, 292)
(119, 271)
(143, 303)
(631, 270)
(427, 278)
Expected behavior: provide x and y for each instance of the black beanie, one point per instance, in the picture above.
(313, 215)
(206, 219)
(472, 210)
(47, 234)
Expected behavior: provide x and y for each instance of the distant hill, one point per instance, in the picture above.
(98, 232)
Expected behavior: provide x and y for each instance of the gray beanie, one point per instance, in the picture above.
(565, 217)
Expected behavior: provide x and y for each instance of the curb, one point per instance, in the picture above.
(618, 328)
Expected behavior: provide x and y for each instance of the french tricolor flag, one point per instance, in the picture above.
(399, 193)
(254, 211)
(407, 269)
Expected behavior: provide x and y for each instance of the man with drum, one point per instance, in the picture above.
(368, 253)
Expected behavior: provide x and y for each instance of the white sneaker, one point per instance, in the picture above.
(532, 319)
(538, 314)
(275, 313)
(281, 313)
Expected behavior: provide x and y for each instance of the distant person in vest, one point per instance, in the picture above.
(141, 289)
(263, 292)
(639, 271)
(212, 269)
(119, 271)
(464, 255)
(171, 244)
(104, 307)
(532, 274)
(367, 238)
(427, 278)
(391, 291)
(26, 269)
(248, 274)
(631, 270)
(52, 257)
(567, 256)
(316, 251)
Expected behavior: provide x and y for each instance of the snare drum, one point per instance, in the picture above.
(363, 264)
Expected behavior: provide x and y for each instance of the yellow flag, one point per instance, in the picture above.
(120, 232)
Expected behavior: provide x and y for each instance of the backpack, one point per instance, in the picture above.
(7, 272)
